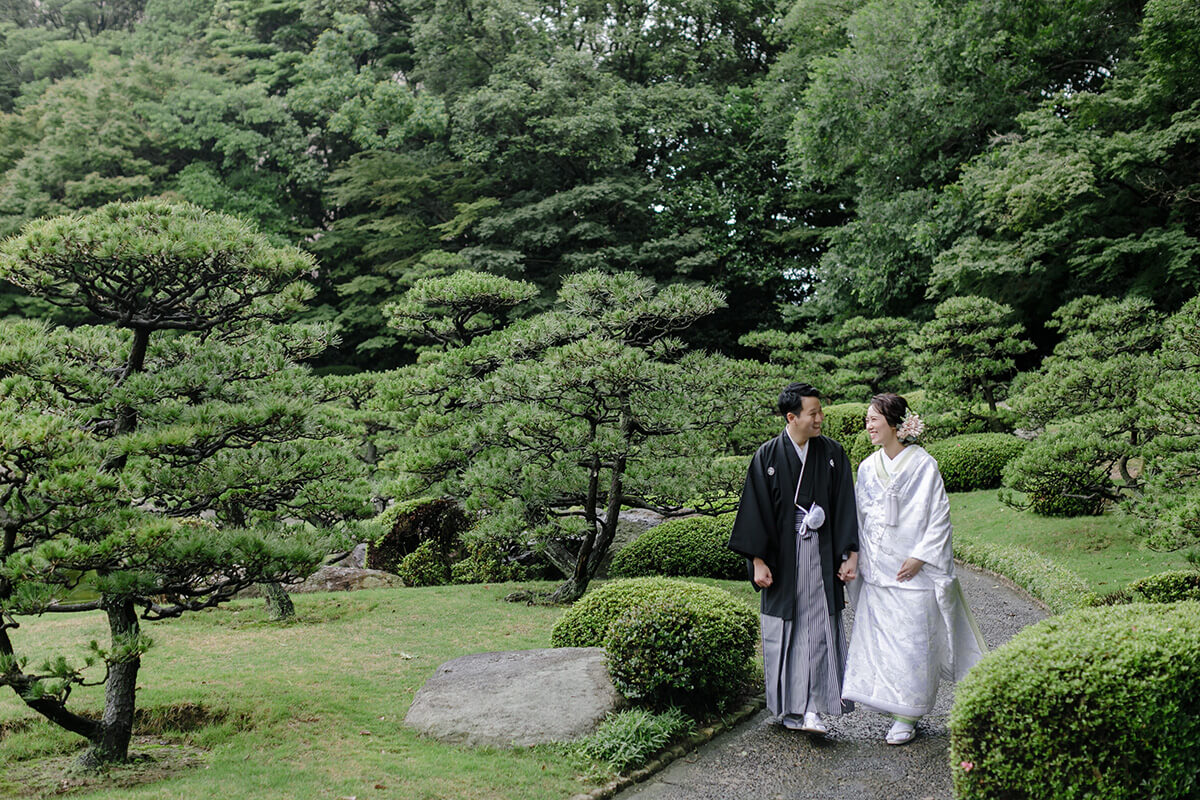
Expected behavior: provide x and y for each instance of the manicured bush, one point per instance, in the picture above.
(628, 738)
(844, 421)
(686, 650)
(1097, 703)
(585, 623)
(425, 566)
(696, 547)
(404, 526)
(859, 448)
(1167, 587)
(1056, 586)
(976, 460)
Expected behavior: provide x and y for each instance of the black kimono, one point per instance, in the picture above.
(766, 518)
(804, 649)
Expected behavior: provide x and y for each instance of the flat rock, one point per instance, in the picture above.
(516, 698)
(334, 578)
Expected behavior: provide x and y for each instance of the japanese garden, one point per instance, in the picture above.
(348, 347)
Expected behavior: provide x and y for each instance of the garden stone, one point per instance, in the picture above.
(334, 578)
(516, 698)
(356, 558)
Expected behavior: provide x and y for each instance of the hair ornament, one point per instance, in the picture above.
(910, 428)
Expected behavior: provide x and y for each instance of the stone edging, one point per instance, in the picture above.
(660, 761)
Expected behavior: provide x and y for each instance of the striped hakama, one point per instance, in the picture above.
(804, 658)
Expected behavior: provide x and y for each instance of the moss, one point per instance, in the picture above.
(1097, 703)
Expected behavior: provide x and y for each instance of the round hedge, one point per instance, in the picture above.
(1168, 587)
(844, 421)
(586, 623)
(696, 546)
(1097, 703)
(859, 448)
(975, 460)
(683, 651)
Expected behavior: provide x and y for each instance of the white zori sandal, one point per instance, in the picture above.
(902, 732)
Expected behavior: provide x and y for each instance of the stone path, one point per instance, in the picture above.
(762, 761)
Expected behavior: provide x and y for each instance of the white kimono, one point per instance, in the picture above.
(907, 635)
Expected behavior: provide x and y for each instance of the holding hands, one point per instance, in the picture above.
(849, 569)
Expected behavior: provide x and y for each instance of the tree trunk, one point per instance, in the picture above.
(279, 603)
(110, 744)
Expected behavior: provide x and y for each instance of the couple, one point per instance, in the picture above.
(804, 536)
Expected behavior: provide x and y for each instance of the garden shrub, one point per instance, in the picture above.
(976, 460)
(696, 546)
(627, 739)
(844, 421)
(585, 623)
(859, 448)
(406, 525)
(425, 566)
(486, 562)
(1097, 703)
(685, 650)
(1063, 474)
(1167, 587)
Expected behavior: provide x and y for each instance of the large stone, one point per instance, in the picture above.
(517, 698)
(334, 578)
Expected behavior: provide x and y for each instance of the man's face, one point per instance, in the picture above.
(807, 423)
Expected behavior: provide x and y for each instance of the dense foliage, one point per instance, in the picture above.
(692, 547)
(974, 461)
(585, 623)
(691, 650)
(1095, 703)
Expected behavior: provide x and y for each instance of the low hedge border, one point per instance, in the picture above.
(1055, 586)
(664, 759)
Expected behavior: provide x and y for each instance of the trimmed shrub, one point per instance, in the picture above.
(626, 740)
(859, 448)
(1167, 587)
(686, 650)
(696, 546)
(844, 421)
(976, 460)
(1097, 703)
(425, 566)
(406, 525)
(1055, 585)
(585, 623)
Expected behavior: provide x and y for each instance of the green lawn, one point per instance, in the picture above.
(312, 709)
(1101, 550)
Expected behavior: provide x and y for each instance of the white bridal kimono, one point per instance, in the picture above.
(906, 635)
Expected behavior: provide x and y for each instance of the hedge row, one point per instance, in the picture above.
(1056, 586)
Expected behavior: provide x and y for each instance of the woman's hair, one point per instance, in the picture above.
(791, 399)
(891, 406)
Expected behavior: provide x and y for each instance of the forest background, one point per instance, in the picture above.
(815, 161)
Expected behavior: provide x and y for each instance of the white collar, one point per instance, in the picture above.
(801, 449)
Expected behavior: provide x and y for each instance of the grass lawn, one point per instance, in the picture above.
(310, 709)
(1101, 550)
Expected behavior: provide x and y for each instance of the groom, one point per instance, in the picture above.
(797, 526)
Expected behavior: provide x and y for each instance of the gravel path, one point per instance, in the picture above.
(762, 761)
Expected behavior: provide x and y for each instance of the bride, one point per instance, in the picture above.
(911, 622)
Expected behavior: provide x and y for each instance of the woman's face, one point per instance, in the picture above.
(878, 429)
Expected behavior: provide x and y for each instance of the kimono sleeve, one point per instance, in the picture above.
(755, 520)
(934, 547)
(845, 509)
